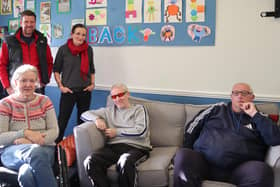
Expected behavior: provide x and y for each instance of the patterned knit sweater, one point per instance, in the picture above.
(37, 115)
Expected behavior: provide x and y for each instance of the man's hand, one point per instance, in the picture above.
(111, 132)
(249, 108)
(35, 137)
(100, 124)
(22, 141)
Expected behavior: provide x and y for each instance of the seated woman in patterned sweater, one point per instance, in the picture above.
(28, 130)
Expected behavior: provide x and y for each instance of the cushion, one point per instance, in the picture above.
(274, 117)
(68, 144)
(152, 172)
(271, 109)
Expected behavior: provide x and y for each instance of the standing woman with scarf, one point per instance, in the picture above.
(74, 74)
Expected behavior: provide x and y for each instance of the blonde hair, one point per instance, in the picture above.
(21, 70)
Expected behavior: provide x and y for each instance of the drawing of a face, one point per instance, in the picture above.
(167, 33)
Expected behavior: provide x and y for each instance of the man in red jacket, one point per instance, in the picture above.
(26, 46)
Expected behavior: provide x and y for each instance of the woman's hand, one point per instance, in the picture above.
(35, 137)
(22, 141)
(90, 87)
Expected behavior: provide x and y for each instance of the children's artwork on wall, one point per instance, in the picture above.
(76, 21)
(133, 11)
(167, 33)
(18, 7)
(96, 3)
(63, 6)
(57, 31)
(197, 32)
(195, 10)
(172, 11)
(30, 5)
(46, 30)
(96, 16)
(147, 32)
(127, 22)
(3, 32)
(160, 23)
(45, 12)
(13, 25)
(152, 13)
(6, 7)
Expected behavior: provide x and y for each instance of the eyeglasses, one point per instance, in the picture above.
(24, 81)
(118, 95)
(244, 93)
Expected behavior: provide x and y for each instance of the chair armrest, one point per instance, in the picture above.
(87, 140)
(273, 160)
(273, 156)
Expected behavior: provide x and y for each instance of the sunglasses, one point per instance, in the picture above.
(118, 95)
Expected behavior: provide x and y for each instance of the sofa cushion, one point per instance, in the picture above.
(154, 171)
(192, 110)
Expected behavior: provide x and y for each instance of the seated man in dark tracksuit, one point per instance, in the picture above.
(228, 143)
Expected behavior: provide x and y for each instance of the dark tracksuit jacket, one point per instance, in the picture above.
(227, 139)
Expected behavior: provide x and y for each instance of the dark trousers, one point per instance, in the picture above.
(126, 157)
(191, 168)
(67, 102)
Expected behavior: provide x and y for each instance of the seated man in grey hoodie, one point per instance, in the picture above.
(126, 127)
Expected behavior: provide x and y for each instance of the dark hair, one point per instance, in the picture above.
(27, 13)
(78, 25)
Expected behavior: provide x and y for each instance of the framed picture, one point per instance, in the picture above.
(13, 25)
(57, 31)
(18, 7)
(45, 12)
(96, 3)
(30, 5)
(6, 7)
(63, 6)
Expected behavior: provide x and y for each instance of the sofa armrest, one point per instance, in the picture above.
(87, 139)
(273, 160)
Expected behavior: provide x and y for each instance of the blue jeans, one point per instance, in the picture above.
(33, 163)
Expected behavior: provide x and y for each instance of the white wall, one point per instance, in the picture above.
(247, 49)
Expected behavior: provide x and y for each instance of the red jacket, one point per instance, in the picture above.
(29, 56)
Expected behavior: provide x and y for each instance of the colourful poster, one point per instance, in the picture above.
(133, 13)
(46, 30)
(195, 10)
(152, 11)
(18, 7)
(172, 11)
(96, 16)
(96, 3)
(6, 7)
(45, 12)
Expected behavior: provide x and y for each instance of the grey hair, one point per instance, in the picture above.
(21, 70)
(244, 83)
(120, 85)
